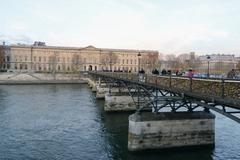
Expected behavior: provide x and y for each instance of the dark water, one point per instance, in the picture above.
(67, 122)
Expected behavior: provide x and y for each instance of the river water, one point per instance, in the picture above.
(67, 122)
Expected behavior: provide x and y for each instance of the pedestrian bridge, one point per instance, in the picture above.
(157, 92)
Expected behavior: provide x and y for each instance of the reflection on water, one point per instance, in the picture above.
(67, 122)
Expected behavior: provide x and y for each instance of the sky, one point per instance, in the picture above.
(169, 26)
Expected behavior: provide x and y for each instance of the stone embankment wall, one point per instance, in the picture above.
(38, 78)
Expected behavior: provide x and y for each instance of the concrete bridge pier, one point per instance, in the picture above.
(119, 101)
(92, 84)
(102, 89)
(170, 130)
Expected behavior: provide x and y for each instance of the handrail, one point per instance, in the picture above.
(213, 87)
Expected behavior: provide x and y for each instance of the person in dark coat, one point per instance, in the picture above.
(155, 71)
(164, 72)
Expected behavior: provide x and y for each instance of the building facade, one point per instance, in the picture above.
(218, 63)
(42, 58)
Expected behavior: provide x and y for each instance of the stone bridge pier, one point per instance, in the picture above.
(92, 84)
(102, 89)
(119, 101)
(170, 130)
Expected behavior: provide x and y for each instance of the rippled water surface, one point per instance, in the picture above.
(67, 122)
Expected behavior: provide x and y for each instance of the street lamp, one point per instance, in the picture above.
(139, 56)
(138, 98)
(208, 73)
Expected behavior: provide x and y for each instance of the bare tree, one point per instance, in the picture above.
(184, 61)
(238, 65)
(173, 62)
(150, 61)
(76, 62)
(109, 59)
(2, 56)
(218, 67)
(52, 62)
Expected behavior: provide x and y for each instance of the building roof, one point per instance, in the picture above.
(90, 47)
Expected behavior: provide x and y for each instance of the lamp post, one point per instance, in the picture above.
(208, 73)
(139, 56)
(138, 98)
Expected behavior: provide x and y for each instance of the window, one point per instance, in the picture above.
(34, 58)
(127, 61)
(44, 59)
(39, 59)
(131, 61)
(26, 66)
(123, 61)
(25, 58)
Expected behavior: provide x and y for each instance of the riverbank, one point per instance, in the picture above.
(40, 78)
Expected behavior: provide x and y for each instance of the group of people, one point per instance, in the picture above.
(190, 72)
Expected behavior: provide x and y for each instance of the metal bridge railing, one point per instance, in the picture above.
(222, 88)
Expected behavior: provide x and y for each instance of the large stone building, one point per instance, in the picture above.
(218, 63)
(42, 58)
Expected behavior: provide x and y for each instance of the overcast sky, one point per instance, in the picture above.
(169, 26)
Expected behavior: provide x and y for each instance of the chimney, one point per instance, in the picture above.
(3, 43)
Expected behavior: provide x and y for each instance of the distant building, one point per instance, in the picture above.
(41, 58)
(218, 57)
(218, 63)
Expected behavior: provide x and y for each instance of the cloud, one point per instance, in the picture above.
(14, 39)
(167, 26)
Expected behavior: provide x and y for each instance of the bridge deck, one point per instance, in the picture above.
(219, 91)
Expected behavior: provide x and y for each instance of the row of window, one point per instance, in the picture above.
(42, 68)
(74, 60)
(121, 68)
(50, 67)
(129, 61)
